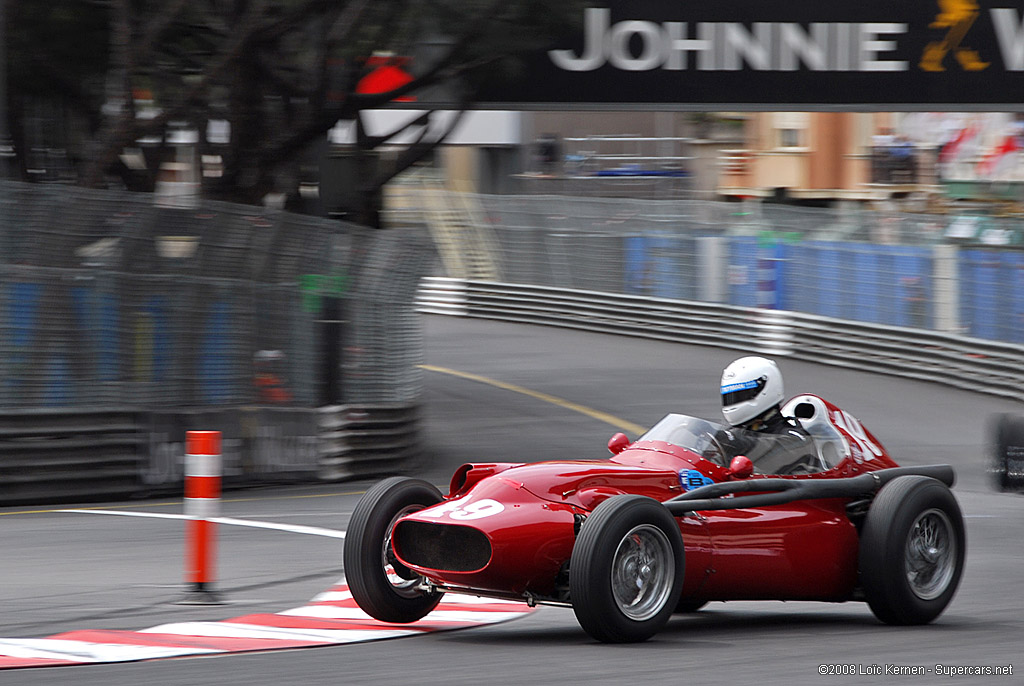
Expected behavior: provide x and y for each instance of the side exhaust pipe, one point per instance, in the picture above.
(780, 491)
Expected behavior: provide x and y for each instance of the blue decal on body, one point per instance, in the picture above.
(691, 479)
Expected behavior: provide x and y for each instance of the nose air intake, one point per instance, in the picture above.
(445, 547)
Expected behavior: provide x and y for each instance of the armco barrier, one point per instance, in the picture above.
(260, 444)
(67, 455)
(954, 360)
(45, 454)
(356, 441)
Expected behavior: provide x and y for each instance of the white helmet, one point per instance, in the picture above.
(750, 386)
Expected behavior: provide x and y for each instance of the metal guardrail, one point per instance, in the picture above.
(71, 455)
(68, 453)
(358, 441)
(441, 295)
(950, 359)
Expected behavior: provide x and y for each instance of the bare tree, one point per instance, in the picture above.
(282, 73)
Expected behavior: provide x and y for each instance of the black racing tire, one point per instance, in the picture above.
(626, 569)
(912, 548)
(389, 598)
(687, 606)
(1007, 452)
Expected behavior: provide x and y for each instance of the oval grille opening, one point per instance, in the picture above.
(445, 547)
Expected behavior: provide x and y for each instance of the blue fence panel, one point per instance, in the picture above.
(109, 339)
(85, 327)
(153, 341)
(57, 391)
(815, 281)
(1015, 323)
(913, 267)
(866, 293)
(743, 272)
(797, 270)
(634, 266)
(663, 265)
(884, 284)
(979, 292)
(215, 356)
(992, 294)
(660, 265)
(23, 301)
(837, 301)
(773, 275)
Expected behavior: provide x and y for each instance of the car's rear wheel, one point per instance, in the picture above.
(912, 550)
(381, 585)
(626, 570)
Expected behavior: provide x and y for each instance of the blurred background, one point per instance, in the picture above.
(224, 211)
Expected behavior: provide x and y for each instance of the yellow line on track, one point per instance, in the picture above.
(617, 422)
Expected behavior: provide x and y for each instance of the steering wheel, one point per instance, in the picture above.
(714, 452)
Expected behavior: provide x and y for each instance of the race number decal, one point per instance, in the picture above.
(462, 511)
(851, 425)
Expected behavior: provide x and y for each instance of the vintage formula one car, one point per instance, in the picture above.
(670, 522)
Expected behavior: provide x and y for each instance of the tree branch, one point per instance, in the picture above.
(242, 35)
(349, 20)
(149, 40)
(299, 15)
(116, 133)
(431, 76)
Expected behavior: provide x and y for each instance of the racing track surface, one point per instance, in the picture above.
(63, 572)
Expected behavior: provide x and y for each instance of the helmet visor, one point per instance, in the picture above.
(742, 391)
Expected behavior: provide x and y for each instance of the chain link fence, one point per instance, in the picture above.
(107, 298)
(902, 269)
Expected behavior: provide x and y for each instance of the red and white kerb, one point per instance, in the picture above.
(202, 503)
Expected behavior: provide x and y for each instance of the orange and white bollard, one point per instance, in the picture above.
(202, 504)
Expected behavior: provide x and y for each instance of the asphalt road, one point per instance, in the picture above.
(64, 571)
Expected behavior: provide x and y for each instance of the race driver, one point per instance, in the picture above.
(752, 396)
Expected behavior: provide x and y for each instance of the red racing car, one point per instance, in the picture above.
(670, 522)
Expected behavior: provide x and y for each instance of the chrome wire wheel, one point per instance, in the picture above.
(626, 569)
(401, 584)
(643, 572)
(912, 550)
(930, 554)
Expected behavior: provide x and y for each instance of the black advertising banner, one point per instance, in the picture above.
(752, 54)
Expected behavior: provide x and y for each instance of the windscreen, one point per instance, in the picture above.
(792, 452)
(694, 434)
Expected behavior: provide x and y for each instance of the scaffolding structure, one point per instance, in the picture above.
(617, 165)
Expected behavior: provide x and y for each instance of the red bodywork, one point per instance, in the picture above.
(529, 514)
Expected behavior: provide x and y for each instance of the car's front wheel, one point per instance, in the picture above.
(626, 570)
(381, 585)
(912, 550)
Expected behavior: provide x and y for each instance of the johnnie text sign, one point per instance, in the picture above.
(911, 54)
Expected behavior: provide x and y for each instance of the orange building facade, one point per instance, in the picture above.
(823, 156)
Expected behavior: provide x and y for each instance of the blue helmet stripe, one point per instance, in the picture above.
(741, 386)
